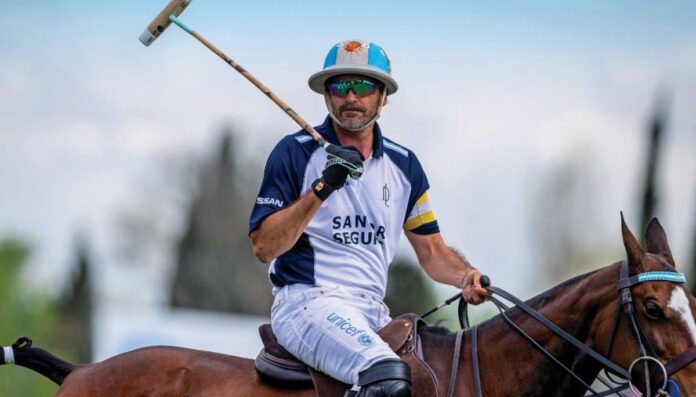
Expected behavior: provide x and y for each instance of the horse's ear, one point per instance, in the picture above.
(656, 239)
(634, 252)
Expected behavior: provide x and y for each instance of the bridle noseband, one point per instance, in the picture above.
(668, 388)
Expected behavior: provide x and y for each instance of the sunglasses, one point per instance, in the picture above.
(360, 88)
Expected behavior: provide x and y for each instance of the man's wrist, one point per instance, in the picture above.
(462, 281)
(322, 189)
(465, 276)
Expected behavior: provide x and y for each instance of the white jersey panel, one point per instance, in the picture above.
(357, 229)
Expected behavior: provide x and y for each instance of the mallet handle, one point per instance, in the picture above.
(287, 109)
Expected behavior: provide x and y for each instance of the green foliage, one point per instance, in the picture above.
(409, 290)
(22, 314)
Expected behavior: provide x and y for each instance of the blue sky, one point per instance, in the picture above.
(494, 96)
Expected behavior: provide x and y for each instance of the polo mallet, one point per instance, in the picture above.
(170, 13)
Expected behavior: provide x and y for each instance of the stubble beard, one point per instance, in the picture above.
(355, 123)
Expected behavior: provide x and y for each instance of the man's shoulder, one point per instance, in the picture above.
(299, 139)
(393, 148)
(403, 158)
(298, 144)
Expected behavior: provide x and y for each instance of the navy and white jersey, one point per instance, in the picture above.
(353, 237)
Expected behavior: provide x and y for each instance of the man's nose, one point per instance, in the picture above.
(350, 96)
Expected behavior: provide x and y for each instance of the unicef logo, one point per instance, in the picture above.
(366, 340)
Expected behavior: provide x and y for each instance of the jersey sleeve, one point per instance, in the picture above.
(420, 218)
(282, 181)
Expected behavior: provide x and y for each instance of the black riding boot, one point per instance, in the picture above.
(387, 378)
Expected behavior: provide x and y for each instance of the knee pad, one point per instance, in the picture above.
(387, 378)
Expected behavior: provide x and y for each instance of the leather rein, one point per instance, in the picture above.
(624, 305)
(668, 388)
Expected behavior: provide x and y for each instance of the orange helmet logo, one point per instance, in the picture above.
(352, 46)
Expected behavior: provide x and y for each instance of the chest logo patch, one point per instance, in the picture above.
(385, 195)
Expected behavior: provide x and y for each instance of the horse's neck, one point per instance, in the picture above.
(512, 362)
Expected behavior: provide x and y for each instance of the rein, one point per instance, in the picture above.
(668, 388)
(608, 364)
(625, 305)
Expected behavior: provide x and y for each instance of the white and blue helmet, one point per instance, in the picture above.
(355, 57)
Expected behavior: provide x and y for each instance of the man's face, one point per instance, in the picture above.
(354, 109)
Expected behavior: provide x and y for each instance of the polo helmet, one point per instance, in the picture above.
(355, 57)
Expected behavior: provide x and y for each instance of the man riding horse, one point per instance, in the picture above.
(329, 239)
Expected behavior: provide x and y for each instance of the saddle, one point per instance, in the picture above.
(278, 367)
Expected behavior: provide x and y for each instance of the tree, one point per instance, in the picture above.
(75, 305)
(655, 136)
(408, 291)
(564, 242)
(24, 313)
(215, 265)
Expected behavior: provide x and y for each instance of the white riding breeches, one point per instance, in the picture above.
(331, 329)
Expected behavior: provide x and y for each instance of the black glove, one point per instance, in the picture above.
(341, 161)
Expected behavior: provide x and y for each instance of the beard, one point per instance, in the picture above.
(353, 122)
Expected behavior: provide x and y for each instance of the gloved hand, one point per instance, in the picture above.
(341, 161)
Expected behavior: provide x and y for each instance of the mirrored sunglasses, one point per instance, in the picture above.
(360, 88)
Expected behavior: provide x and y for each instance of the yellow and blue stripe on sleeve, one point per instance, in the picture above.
(422, 219)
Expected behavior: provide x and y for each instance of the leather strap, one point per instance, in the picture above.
(613, 367)
(681, 361)
(322, 189)
(455, 362)
(463, 313)
(475, 361)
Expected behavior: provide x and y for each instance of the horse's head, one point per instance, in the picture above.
(664, 311)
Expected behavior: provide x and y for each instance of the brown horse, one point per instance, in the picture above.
(585, 307)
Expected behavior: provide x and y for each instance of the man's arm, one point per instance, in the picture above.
(444, 264)
(279, 231)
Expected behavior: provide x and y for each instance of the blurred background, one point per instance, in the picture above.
(127, 174)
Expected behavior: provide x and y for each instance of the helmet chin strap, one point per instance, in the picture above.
(382, 101)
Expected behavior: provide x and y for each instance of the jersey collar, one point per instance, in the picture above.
(326, 130)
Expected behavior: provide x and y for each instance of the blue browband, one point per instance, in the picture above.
(673, 277)
(662, 276)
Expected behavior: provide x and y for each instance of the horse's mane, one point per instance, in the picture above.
(436, 330)
(534, 302)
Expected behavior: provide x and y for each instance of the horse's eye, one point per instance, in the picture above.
(653, 311)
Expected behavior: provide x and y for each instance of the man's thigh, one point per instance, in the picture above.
(330, 332)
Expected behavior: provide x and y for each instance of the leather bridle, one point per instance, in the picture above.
(647, 352)
(625, 305)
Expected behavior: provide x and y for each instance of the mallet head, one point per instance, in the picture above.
(162, 22)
